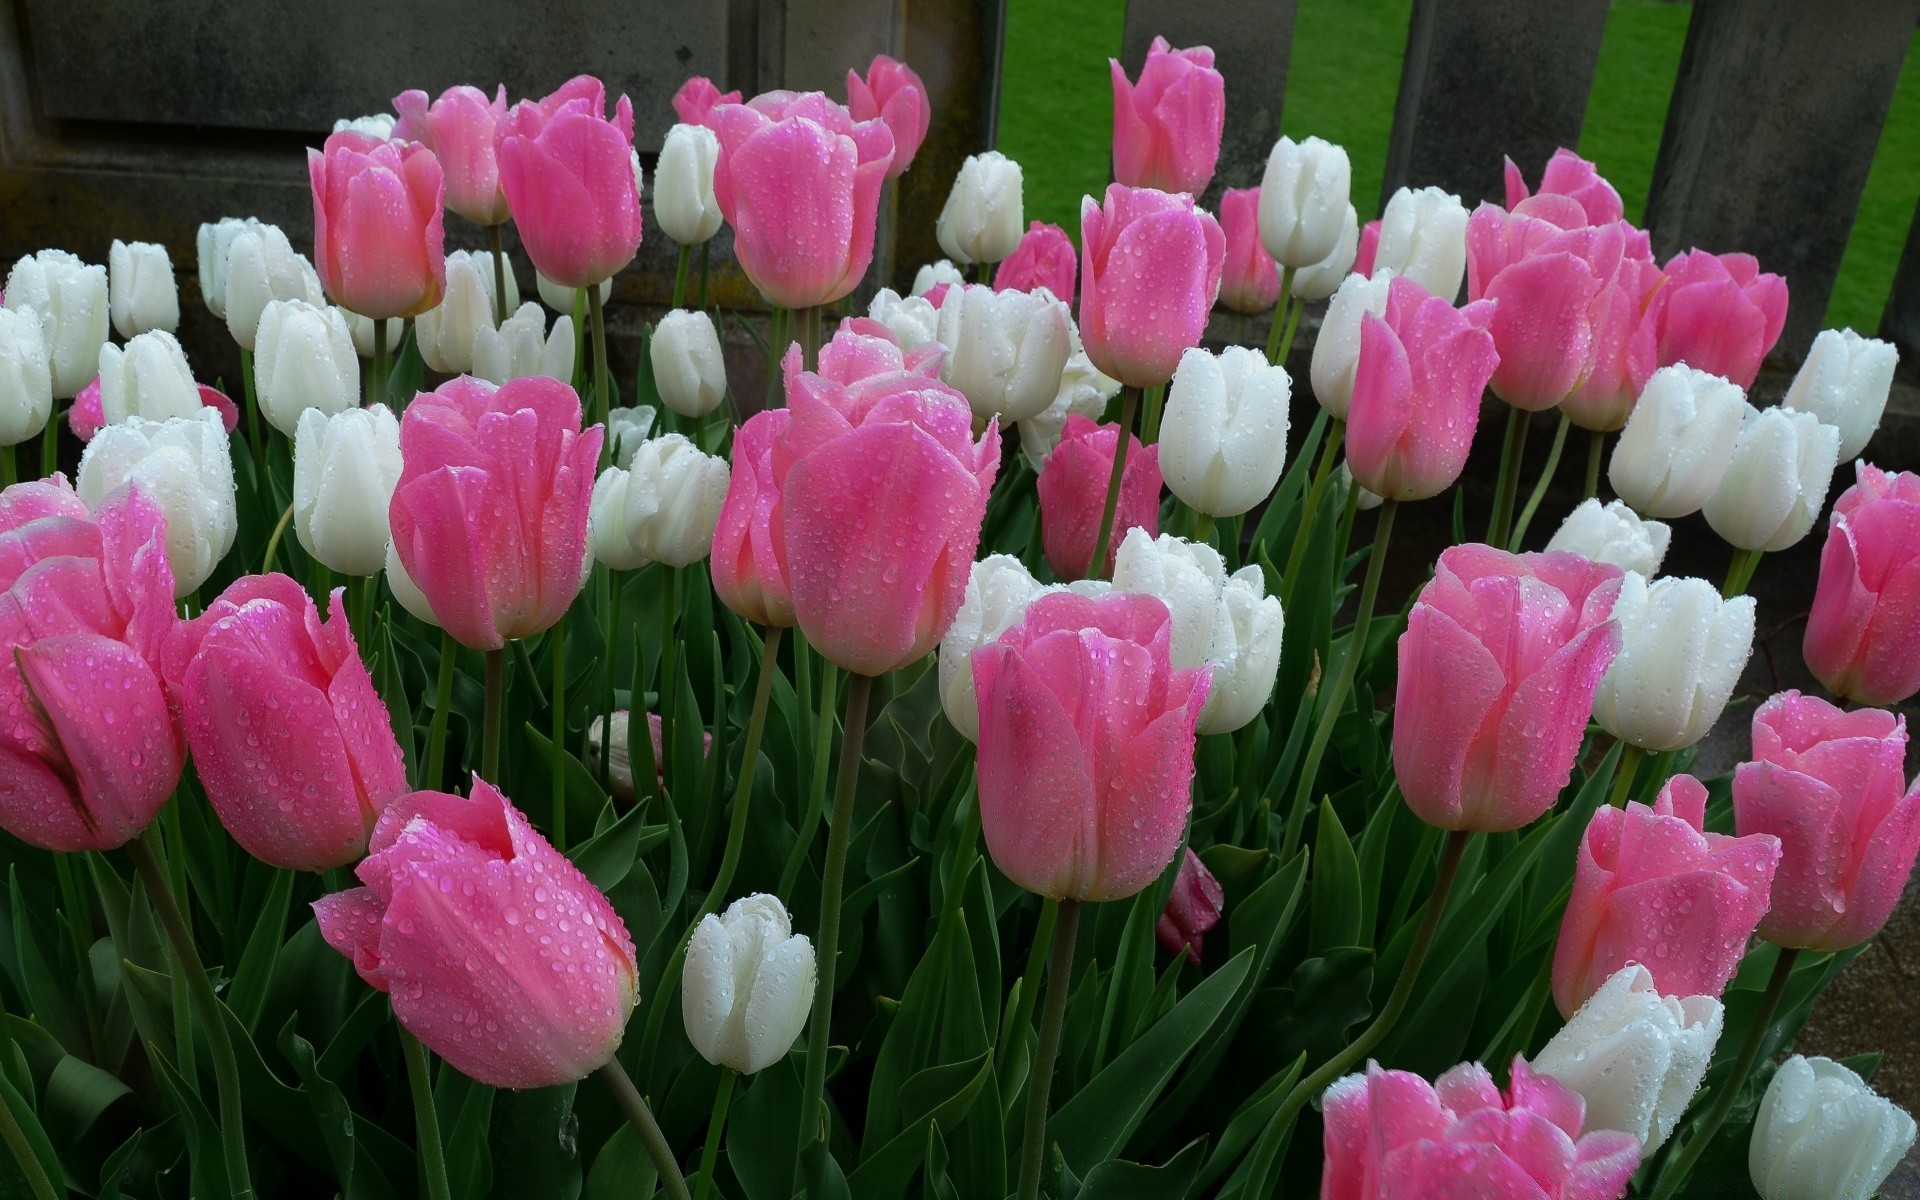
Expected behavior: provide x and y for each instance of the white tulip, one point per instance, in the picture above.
(183, 465)
(662, 508)
(140, 290)
(373, 125)
(406, 591)
(262, 266)
(522, 347)
(627, 429)
(1303, 200)
(1845, 382)
(983, 217)
(1366, 501)
(560, 298)
(304, 360)
(1006, 351)
(362, 330)
(1613, 534)
(1083, 390)
(1776, 485)
(213, 243)
(1636, 1056)
(148, 378)
(1336, 349)
(1223, 438)
(445, 333)
(689, 368)
(1678, 442)
(999, 592)
(1423, 235)
(70, 298)
(912, 320)
(748, 985)
(345, 467)
(932, 275)
(26, 377)
(1317, 281)
(1822, 1134)
(1682, 648)
(683, 185)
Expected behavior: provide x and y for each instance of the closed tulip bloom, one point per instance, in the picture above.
(1336, 349)
(748, 985)
(1223, 440)
(1365, 501)
(87, 416)
(361, 329)
(1322, 279)
(688, 366)
(1718, 313)
(892, 92)
(1150, 270)
(1635, 1056)
(148, 378)
(1193, 907)
(1166, 127)
(572, 182)
(378, 237)
(70, 298)
(1830, 785)
(523, 347)
(1498, 667)
(1823, 1134)
(749, 573)
(1650, 887)
(1623, 345)
(262, 266)
(697, 97)
(1303, 200)
(1086, 746)
(980, 222)
(561, 299)
(1570, 176)
(345, 467)
(1613, 533)
(683, 185)
(1073, 492)
(94, 750)
(406, 591)
(1367, 249)
(446, 332)
(1863, 635)
(26, 377)
(660, 509)
(1249, 279)
(1423, 236)
(1845, 382)
(184, 467)
(490, 515)
(1043, 259)
(1390, 1135)
(378, 127)
(1682, 648)
(547, 1003)
(1083, 392)
(620, 757)
(306, 361)
(999, 592)
(941, 273)
(459, 128)
(1542, 327)
(1006, 350)
(912, 321)
(1678, 443)
(1422, 367)
(212, 243)
(140, 290)
(1776, 485)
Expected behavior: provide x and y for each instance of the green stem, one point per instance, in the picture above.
(1151, 402)
(602, 394)
(273, 541)
(1033, 1150)
(826, 937)
(1129, 406)
(1596, 450)
(1675, 1176)
(1540, 485)
(50, 442)
(1631, 756)
(1349, 510)
(706, 257)
(810, 337)
(636, 1111)
(1508, 484)
(559, 705)
(493, 716)
(442, 701)
(426, 1119)
(779, 325)
(1281, 1126)
(1343, 682)
(1282, 326)
(173, 864)
(667, 683)
(722, 1097)
(1030, 981)
(380, 370)
(186, 961)
(30, 1166)
(607, 585)
(743, 786)
(1740, 572)
(822, 750)
(9, 470)
(1203, 528)
(252, 402)
(1322, 475)
(500, 313)
(580, 340)
(680, 276)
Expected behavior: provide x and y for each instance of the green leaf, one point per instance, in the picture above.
(248, 994)
(607, 856)
(623, 1169)
(77, 1093)
(762, 1131)
(1337, 895)
(408, 373)
(1119, 1180)
(12, 1178)
(1323, 998)
(330, 1112)
(938, 1096)
(534, 1153)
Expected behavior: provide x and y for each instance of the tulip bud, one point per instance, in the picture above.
(939, 273)
(1678, 443)
(982, 218)
(1044, 258)
(1776, 485)
(1149, 274)
(1193, 907)
(1595, 202)
(1322, 279)
(1303, 200)
(1823, 1134)
(560, 298)
(999, 591)
(378, 126)
(1083, 392)
(1366, 501)
(1166, 127)
(1636, 1057)
(213, 243)
(912, 320)
(446, 332)
(26, 377)
(262, 267)
(148, 378)
(345, 467)
(749, 572)
(683, 185)
(1682, 648)
(378, 234)
(1249, 280)
(748, 985)
(661, 509)
(184, 465)
(1005, 350)
(627, 428)
(406, 591)
(522, 347)
(70, 298)
(697, 97)
(1845, 382)
(894, 93)
(362, 330)
(1423, 236)
(1336, 349)
(304, 360)
(1613, 534)
(688, 366)
(620, 757)
(140, 291)
(459, 128)
(1718, 313)
(1073, 491)
(1223, 439)
(1858, 639)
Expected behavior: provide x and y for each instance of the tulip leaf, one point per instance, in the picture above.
(76, 1094)
(1323, 998)
(1339, 901)
(466, 1109)
(535, 1156)
(762, 1130)
(1246, 1126)
(52, 1010)
(1117, 1179)
(206, 1165)
(408, 373)
(607, 857)
(938, 1096)
(330, 1112)
(247, 995)
(622, 1169)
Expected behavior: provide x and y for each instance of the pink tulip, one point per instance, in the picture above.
(1193, 907)
(1542, 327)
(494, 949)
(892, 92)
(572, 182)
(1650, 887)
(1043, 259)
(459, 129)
(1416, 392)
(1497, 239)
(1623, 344)
(292, 743)
(1250, 280)
(378, 241)
(1863, 635)
(697, 97)
(490, 515)
(90, 749)
(799, 180)
(1368, 250)
(1570, 176)
(1149, 273)
(86, 416)
(1831, 786)
(1498, 667)
(882, 492)
(1718, 313)
(1073, 495)
(1390, 1135)
(1086, 745)
(1166, 128)
(747, 573)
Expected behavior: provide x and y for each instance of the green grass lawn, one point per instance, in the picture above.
(1057, 109)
